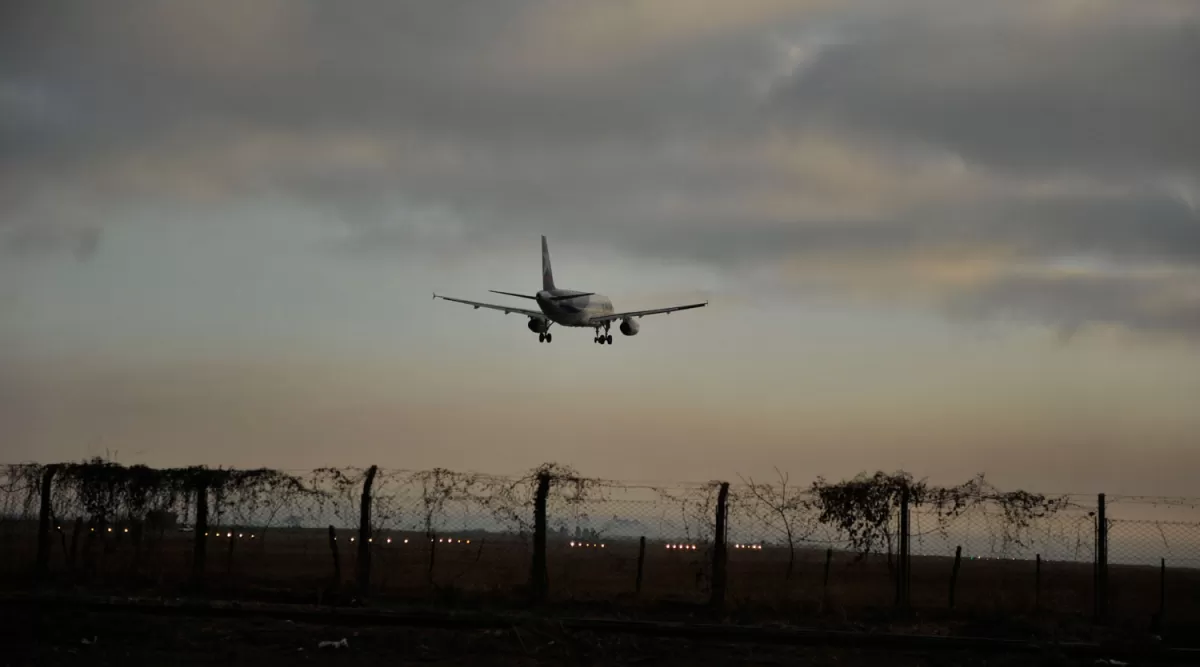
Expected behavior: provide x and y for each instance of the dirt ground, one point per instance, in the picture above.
(121, 638)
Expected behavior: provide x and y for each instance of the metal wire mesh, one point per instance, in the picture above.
(599, 532)
(443, 531)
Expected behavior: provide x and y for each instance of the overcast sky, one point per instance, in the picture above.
(943, 236)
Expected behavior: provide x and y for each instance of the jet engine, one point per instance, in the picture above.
(629, 326)
(537, 326)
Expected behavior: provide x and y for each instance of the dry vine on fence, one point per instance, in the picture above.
(864, 508)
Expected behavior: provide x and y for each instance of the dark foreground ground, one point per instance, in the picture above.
(66, 636)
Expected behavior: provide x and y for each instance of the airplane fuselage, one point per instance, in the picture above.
(576, 312)
(569, 308)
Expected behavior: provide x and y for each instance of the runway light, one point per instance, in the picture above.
(370, 539)
(351, 539)
(406, 540)
(110, 529)
(229, 535)
(468, 541)
(389, 540)
(251, 535)
(241, 535)
(601, 546)
(572, 544)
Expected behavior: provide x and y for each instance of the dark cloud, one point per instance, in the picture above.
(1130, 227)
(458, 112)
(1144, 227)
(1143, 304)
(1092, 95)
(42, 240)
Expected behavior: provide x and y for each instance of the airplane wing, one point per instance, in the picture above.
(640, 313)
(537, 314)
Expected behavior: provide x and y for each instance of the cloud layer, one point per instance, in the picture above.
(1018, 159)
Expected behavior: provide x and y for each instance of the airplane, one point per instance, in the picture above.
(570, 308)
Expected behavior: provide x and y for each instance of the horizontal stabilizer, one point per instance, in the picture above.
(569, 296)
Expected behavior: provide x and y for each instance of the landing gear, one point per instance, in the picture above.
(602, 339)
(545, 337)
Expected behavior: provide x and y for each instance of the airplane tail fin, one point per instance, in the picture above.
(547, 272)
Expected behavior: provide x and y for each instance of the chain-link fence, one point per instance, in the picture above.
(832, 548)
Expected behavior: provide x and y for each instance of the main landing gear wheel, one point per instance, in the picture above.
(608, 339)
(541, 338)
(546, 338)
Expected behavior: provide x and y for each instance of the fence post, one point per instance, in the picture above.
(1161, 617)
(641, 563)
(825, 582)
(1101, 588)
(954, 573)
(902, 574)
(337, 560)
(719, 556)
(62, 538)
(364, 533)
(1037, 584)
(232, 537)
(71, 558)
(539, 579)
(200, 537)
(43, 548)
